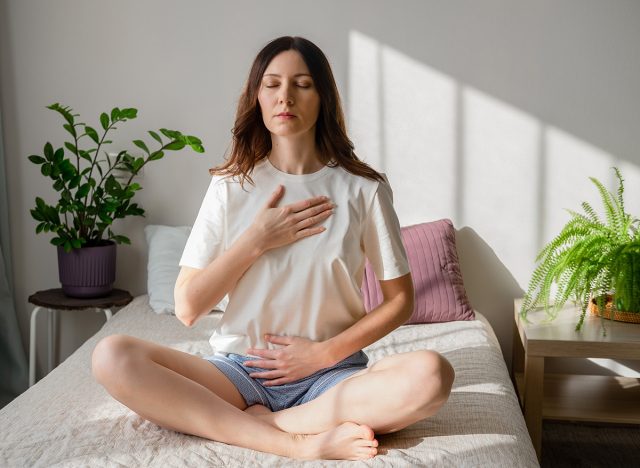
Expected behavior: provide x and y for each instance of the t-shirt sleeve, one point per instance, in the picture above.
(381, 238)
(206, 239)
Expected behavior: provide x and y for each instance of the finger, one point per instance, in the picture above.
(270, 364)
(309, 232)
(308, 222)
(308, 203)
(275, 197)
(266, 375)
(316, 210)
(278, 339)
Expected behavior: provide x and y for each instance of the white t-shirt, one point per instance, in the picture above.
(310, 288)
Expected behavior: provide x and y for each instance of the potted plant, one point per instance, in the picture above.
(92, 197)
(592, 262)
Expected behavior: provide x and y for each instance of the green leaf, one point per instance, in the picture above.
(112, 186)
(59, 155)
(64, 111)
(37, 159)
(172, 134)
(83, 191)
(104, 120)
(137, 164)
(122, 239)
(92, 134)
(39, 228)
(155, 136)
(76, 243)
(67, 246)
(57, 241)
(141, 144)
(58, 185)
(45, 169)
(71, 129)
(115, 114)
(85, 155)
(129, 113)
(155, 156)
(175, 145)
(105, 217)
(197, 148)
(48, 151)
(36, 215)
(71, 147)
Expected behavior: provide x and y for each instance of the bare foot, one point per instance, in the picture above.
(348, 441)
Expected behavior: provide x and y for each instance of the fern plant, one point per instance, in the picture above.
(590, 259)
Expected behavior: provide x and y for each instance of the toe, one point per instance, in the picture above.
(367, 432)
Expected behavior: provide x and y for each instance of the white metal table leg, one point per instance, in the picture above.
(53, 326)
(32, 346)
(108, 314)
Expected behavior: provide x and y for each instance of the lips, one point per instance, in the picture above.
(285, 114)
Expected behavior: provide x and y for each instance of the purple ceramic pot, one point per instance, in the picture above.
(88, 271)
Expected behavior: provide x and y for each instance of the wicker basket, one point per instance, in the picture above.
(618, 315)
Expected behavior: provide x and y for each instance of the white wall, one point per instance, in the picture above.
(490, 113)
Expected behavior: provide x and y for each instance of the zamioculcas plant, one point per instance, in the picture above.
(590, 259)
(91, 197)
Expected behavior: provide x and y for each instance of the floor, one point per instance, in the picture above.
(566, 444)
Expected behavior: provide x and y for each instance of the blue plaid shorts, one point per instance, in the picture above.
(290, 394)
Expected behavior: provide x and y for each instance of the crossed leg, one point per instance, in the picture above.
(185, 393)
(403, 388)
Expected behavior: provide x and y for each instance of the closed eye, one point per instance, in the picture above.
(300, 86)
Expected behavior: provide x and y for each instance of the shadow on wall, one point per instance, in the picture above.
(490, 286)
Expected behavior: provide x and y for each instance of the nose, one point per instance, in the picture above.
(285, 96)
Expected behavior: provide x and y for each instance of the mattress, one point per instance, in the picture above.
(68, 419)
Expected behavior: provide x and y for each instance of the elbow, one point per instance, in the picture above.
(183, 311)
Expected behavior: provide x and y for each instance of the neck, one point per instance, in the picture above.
(295, 155)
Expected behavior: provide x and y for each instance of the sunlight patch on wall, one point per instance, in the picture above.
(570, 164)
(501, 149)
(452, 151)
(401, 115)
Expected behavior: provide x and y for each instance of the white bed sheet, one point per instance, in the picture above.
(67, 419)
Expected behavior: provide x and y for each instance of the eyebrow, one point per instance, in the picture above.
(297, 74)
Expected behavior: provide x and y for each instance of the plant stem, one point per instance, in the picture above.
(93, 163)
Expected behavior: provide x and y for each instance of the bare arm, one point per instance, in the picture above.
(197, 291)
(396, 308)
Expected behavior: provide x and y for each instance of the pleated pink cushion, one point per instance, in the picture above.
(433, 259)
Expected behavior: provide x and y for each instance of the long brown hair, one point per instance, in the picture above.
(251, 138)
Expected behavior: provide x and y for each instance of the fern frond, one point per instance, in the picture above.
(591, 212)
(609, 203)
(620, 189)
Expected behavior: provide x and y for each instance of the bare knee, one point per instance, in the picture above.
(110, 358)
(434, 378)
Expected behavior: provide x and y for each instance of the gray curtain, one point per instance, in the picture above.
(13, 361)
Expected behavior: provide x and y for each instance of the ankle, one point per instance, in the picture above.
(299, 447)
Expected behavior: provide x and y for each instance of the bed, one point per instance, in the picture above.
(68, 419)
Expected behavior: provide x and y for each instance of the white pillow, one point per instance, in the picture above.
(165, 246)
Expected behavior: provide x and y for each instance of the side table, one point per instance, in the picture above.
(53, 300)
(570, 397)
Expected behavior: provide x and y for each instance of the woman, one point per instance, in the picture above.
(284, 229)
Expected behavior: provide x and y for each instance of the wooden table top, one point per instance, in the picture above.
(559, 338)
(56, 299)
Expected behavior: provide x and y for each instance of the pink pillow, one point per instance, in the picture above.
(433, 259)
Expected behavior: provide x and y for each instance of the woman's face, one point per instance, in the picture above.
(287, 86)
